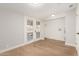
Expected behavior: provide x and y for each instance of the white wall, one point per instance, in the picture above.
(70, 25)
(11, 29)
(52, 28)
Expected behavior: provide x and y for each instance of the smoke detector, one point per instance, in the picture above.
(70, 6)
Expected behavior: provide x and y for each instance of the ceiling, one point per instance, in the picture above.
(42, 11)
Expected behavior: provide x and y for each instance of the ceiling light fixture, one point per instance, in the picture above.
(35, 4)
(53, 15)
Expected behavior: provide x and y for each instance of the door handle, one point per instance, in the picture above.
(77, 33)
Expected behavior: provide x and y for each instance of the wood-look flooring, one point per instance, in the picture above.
(47, 47)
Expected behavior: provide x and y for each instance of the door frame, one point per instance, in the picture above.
(64, 38)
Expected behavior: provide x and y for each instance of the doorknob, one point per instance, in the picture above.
(77, 33)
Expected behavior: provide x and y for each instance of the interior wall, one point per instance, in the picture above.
(70, 25)
(11, 29)
(54, 28)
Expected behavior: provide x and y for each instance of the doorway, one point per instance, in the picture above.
(31, 29)
(55, 29)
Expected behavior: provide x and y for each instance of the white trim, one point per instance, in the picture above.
(24, 28)
(69, 44)
(54, 38)
(77, 48)
(41, 38)
(17, 46)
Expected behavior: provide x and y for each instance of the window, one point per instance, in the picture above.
(29, 36)
(30, 22)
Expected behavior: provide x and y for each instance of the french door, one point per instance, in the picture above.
(32, 29)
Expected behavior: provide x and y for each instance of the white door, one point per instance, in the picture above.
(55, 29)
(31, 29)
(37, 30)
(77, 33)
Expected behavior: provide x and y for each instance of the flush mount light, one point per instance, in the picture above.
(53, 15)
(35, 4)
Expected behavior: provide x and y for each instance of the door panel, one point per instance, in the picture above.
(29, 36)
(77, 33)
(77, 30)
(37, 29)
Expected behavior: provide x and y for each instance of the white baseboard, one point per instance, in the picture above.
(17, 46)
(53, 38)
(42, 38)
(67, 43)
